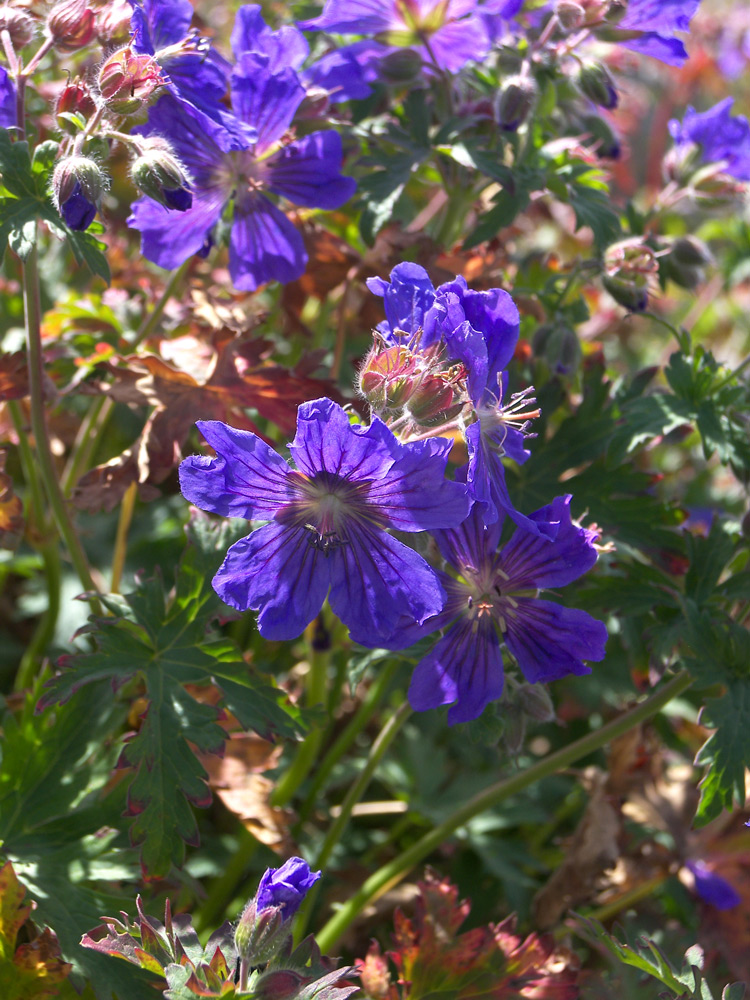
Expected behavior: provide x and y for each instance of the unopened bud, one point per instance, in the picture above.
(128, 79)
(713, 189)
(514, 102)
(681, 162)
(557, 343)
(260, 933)
(389, 377)
(627, 292)
(433, 402)
(690, 250)
(75, 99)
(401, 66)
(19, 25)
(314, 104)
(278, 984)
(72, 24)
(570, 15)
(161, 176)
(685, 262)
(601, 136)
(514, 729)
(77, 186)
(374, 974)
(113, 21)
(595, 81)
(535, 701)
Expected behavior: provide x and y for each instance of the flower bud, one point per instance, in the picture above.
(401, 66)
(260, 934)
(77, 186)
(692, 251)
(127, 80)
(75, 99)
(19, 25)
(433, 402)
(161, 176)
(514, 729)
(278, 984)
(514, 102)
(601, 136)
(113, 21)
(595, 81)
(72, 25)
(713, 189)
(685, 262)
(570, 14)
(557, 343)
(389, 377)
(627, 292)
(535, 702)
(680, 163)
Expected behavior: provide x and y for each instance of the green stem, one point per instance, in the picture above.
(121, 539)
(222, 889)
(384, 739)
(47, 469)
(392, 872)
(307, 751)
(355, 726)
(87, 439)
(627, 899)
(151, 322)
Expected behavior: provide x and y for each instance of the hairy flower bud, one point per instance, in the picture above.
(626, 292)
(77, 186)
(685, 262)
(401, 66)
(127, 80)
(260, 933)
(278, 984)
(19, 25)
(161, 176)
(570, 14)
(601, 136)
(514, 102)
(113, 21)
(75, 99)
(389, 377)
(535, 701)
(595, 81)
(557, 343)
(72, 24)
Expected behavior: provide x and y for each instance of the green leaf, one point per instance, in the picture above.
(726, 753)
(164, 641)
(22, 239)
(708, 557)
(644, 419)
(594, 208)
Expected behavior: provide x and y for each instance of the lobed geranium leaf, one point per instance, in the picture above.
(726, 753)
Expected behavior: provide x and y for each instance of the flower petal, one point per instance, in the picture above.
(407, 296)
(550, 641)
(359, 17)
(246, 479)
(277, 572)
(375, 580)
(263, 245)
(286, 47)
(308, 172)
(456, 43)
(326, 441)
(265, 100)
(168, 238)
(465, 670)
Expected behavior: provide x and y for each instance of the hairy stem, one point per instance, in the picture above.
(392, 872)
(48, 473)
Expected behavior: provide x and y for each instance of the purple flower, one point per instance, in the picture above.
(326, 534)
(7, 100)
(712, 888)
(659, 20)
(161, 28)
(479, 330)
(77, 210)
(723, 138)
(492, 596)
(240, 157)
(285, 887)
(446, 33)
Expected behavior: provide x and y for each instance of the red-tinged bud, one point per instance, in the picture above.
(680, 163)
(19, 25)
(279, 984)
(514, 102)
(113, 21)
(433, 402)
(75, 99)
(374, 974)
(127, 80)
(713, 189)
(389, 377)
(260, 933)
(596, 83)
(570, 15)
(72, 25)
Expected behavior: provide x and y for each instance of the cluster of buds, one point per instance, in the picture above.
(72, 25)
(75, 104)
(77, 186)
(160, 175)
(630, 270)
(127, 81)
(414, 386)
(685, 261)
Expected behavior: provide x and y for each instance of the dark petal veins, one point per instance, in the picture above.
(550, 641)
(537, 562)
(465, 670)
(360, 17)
(376, 580)
(265, 100)
(473, 544)
(456, 43)
(246, 479)
(407, 296)
(277, 572)
(168, 21)
(308, 172)
(263, 245)
(326, 441)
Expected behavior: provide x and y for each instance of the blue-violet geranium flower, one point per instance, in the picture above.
(328, 520)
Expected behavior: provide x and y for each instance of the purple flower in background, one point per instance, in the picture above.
(659, 20)
(196, 72)
(286, 886)
(493, 596)
(712, 888)
(241, 157)
(328, 520)
(7, 100)
(446, 33)
(722, 137)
